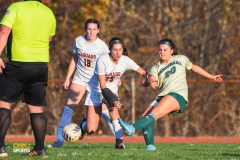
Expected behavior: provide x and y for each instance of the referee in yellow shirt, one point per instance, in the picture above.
(25, 31)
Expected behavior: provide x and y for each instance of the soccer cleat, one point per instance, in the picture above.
(34, 152)
(57, 144)
(119, 144)
(129, 129)
(83, 132)
(3, 152)
(150, 147)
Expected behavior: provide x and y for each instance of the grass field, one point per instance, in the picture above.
(134, 151)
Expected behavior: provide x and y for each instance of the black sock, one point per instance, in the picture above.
(39, 127)
(5, 121)
(118, 141)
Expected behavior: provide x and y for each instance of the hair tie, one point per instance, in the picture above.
(166, 42)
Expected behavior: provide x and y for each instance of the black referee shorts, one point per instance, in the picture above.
(26, 81)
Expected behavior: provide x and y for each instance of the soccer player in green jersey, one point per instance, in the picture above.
(169, 74)
(26, 30)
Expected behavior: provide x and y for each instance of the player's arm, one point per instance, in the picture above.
(204, 73)
(4, 33)
(144, 74)
(72, 66)
(71, 69)
(152, 77)
(152, 81)
(102, 81)
(110, 97)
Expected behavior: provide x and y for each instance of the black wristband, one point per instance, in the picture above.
(109, 96)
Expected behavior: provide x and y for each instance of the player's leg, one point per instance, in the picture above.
(110, 97)
(5, 122)
(114, 127)
(10, 90)
(39, 127)
(90, 123)
(107, 118)
(93, 116)
(35, 98)
(114, 114)
(166, 105)
(148, 133)
(75, 94)
(93, 112)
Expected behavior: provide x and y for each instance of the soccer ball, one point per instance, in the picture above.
(72, 132)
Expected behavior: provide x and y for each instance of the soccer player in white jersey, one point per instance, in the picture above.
(169, 74)
(109, 69)
(86, 50)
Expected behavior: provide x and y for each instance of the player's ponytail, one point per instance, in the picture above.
(125, 52)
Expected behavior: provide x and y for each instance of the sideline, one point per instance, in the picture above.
(133, 139)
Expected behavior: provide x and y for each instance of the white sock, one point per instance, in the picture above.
(106, 116)
(117, 129)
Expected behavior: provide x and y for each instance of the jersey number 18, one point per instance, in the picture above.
(87, 63)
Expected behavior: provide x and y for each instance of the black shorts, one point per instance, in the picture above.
(26, 81)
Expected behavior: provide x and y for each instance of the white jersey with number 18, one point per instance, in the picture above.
(88, 53)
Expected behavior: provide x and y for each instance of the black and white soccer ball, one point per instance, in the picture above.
(72, 132)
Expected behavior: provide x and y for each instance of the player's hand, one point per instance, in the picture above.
(117, 104)
(217, 78)
(154, 84)
(66, 84)
(1, 65)
(152, 81)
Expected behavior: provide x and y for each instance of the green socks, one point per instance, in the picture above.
(148, 134)
(144, 122)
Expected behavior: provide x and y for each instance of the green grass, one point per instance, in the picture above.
(134, 151)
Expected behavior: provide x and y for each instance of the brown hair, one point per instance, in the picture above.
(91, 20)
(116, 40)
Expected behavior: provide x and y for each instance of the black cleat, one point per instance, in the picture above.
(34, 152)
(119, 144)
(83, 132)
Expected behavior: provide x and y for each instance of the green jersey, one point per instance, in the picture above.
(32, 24)
(171, 76)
